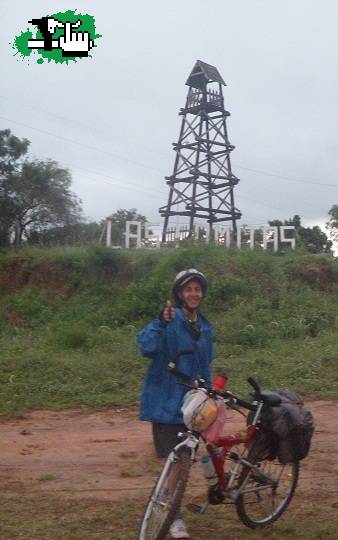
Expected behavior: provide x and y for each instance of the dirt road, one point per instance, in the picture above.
(104, 454)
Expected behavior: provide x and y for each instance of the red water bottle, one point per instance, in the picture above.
(219, 382)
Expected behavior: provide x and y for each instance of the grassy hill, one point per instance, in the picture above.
(69, 318)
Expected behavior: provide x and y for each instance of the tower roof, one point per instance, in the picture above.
(203, 73)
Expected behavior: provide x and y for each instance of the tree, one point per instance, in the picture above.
(34, 195)
(332, 224)
(42, 198)
(119, 219)
(12, 151)
(75, 233)
(313, 238)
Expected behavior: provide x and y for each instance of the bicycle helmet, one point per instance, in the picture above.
(182, 279)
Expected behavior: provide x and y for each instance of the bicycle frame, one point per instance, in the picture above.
(226, 443)
(226, 479)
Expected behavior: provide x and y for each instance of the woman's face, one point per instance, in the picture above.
(192, 294)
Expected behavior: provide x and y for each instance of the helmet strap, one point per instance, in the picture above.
(186, 308)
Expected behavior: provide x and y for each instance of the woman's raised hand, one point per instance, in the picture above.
(168, 312)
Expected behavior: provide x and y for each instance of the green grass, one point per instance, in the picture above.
(47, 477)
(69, 318)
(34, 375)
(48, 517)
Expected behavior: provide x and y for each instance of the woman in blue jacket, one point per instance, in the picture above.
(180, 329)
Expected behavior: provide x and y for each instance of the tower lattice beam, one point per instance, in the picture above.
(202, 183)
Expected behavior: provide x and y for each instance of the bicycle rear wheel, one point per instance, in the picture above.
(166, 497)
(267, 491)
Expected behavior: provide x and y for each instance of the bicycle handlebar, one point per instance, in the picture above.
(185, 378)
(255, 385)
(245, 404)
(201, 383)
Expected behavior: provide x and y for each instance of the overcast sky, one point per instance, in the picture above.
(111, 118)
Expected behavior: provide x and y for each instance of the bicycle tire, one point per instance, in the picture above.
(261, 502)
(162, 505)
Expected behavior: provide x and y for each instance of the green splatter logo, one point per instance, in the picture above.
(60, 37)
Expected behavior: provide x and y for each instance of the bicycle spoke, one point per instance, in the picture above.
(261, 503)
(166, 497)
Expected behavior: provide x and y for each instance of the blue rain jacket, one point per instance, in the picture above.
(162, 393)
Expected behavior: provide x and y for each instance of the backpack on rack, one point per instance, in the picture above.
(285, 431)
(293, 425)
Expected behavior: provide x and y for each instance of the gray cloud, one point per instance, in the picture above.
(111, 119)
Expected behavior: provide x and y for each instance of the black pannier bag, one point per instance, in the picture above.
(285, 432)
(263, 446)
(293, 424)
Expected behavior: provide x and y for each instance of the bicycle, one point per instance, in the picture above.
(260, 487)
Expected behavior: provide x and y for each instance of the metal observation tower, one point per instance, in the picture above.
(202, 183)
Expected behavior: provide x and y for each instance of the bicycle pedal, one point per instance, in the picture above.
(216, 495)
(197, 508)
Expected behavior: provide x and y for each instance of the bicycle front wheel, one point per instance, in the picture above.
(166, 497)
(265, 492)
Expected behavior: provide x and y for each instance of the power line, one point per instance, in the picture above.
(76, 122)
(288, 178)
(256, 171)
(153, 190)
(124, 182)
(266, 205)
(113, 186)
(150, 168)
(44, 111)
(82, 144)
(281, 196)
